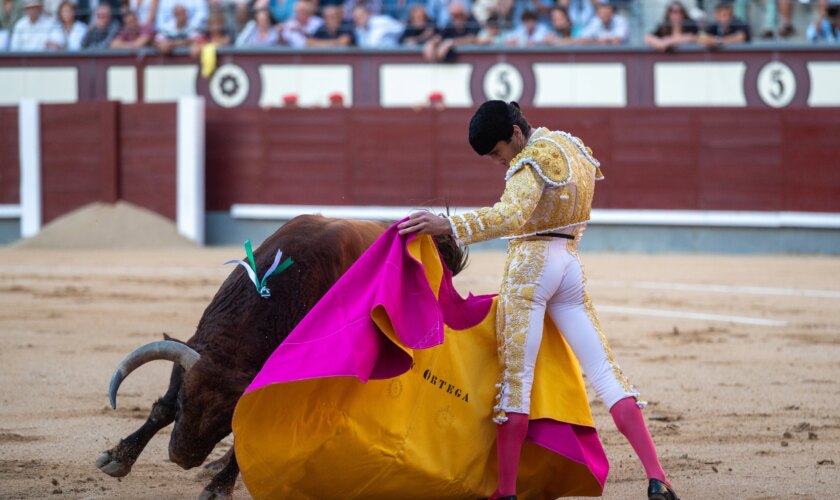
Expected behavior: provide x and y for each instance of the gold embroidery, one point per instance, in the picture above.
(523, 269)
(522, 193)
(556, 193)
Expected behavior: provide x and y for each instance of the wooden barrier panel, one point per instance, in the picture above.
(71, 157)
(9, 158)
(666, 159)
(689, 159)
(148, 156)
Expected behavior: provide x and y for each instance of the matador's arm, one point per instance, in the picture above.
(522, 193)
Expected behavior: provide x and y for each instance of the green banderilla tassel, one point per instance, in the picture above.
(276, 268)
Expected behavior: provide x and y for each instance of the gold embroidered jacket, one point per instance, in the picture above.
(549, 187)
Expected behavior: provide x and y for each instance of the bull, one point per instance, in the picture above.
(235, 336)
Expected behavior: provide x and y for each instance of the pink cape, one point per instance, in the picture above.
(341, 338)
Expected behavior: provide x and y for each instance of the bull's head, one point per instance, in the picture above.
(204, 407)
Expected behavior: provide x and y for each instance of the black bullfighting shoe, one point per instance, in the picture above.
(657, 490)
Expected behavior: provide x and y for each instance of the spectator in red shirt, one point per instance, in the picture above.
(133, 35)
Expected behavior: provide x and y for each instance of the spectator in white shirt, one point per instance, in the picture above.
(177, 33)
(303, 24)
(32, 30)
(259, 32)
(606, 28)
(67, 33)
(375, 31)
(196, 11)
(529, 33)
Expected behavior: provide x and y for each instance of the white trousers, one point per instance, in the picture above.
(559, 291)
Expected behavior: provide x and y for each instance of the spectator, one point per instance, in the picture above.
(31, 32)
(440, 10)
(492, 33)
(530, 32)
(419, 29)
(10, 13)
(133, 35)
(375, 31)
(725, 30)
(259, 32)
(335, 32)
(67, 33)
(606, 28)
(216, 33)
(580, 13)
(561, 28)
(176, 32)
(462, 29)
(196, 12)
(234, 13)
(302, 25)
(102, 30)
(827, 27)
(675, 29)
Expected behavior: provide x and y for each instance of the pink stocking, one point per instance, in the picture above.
(509, 438)
(630, 422)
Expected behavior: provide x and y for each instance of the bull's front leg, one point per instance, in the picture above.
(117, 461)
(221, 487)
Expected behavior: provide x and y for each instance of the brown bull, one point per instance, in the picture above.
(237, 333)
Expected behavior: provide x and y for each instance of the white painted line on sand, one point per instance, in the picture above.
(638, 311)
(724, 289)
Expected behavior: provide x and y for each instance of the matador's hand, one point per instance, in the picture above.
(425, 223)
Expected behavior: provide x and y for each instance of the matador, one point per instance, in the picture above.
(550, 183)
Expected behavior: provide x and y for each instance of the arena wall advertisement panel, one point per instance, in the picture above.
(752, 76)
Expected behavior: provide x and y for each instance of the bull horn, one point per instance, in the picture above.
(169, 350)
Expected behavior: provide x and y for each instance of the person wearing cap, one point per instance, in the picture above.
(550, 183)
(32, 31)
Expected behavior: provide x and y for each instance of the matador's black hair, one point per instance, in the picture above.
(492, 122)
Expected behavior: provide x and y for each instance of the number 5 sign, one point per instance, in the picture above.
(503, 82)
(776, 84)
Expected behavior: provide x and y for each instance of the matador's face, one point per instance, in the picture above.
(505, 151)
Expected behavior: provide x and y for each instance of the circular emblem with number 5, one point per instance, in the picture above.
(776, 84)
(503, 82)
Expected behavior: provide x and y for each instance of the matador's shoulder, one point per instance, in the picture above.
(550, 154)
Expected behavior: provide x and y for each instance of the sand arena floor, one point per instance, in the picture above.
(737, 409)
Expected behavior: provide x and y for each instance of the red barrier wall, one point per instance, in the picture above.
(9, 161)
(148, 156)
(105, 151)
(691, 159)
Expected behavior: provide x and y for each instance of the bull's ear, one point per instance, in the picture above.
(167, 337)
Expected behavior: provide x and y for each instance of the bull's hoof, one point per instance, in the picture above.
(111, 466)
(213, 494)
